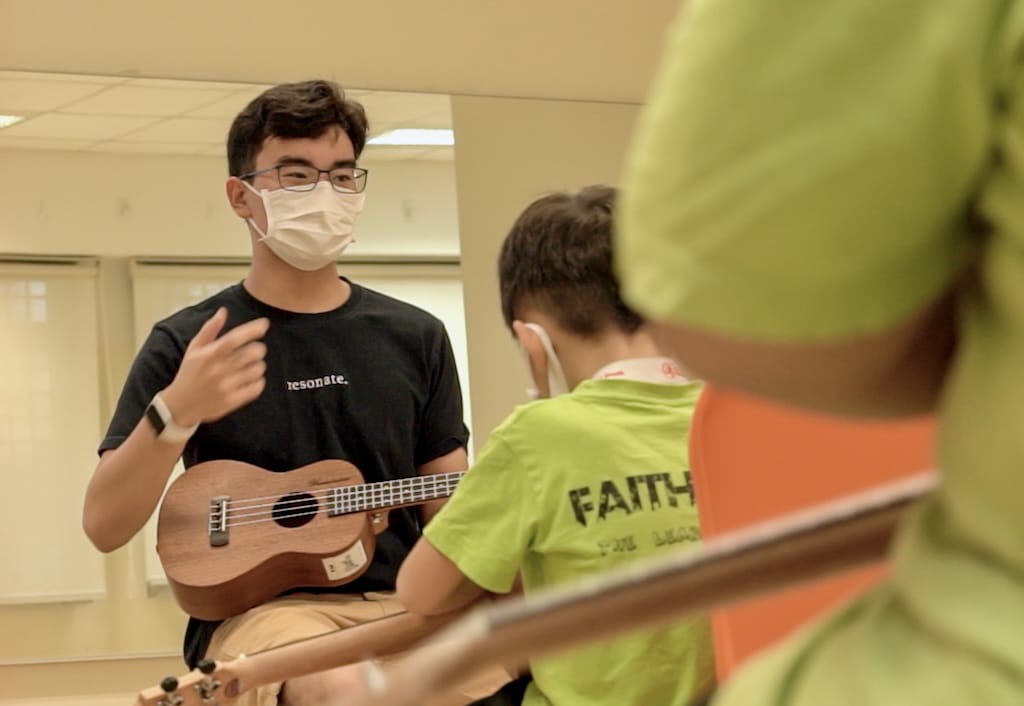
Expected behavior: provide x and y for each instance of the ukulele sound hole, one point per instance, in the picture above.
(294, 509)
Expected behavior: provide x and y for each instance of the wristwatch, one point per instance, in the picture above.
(159, 415)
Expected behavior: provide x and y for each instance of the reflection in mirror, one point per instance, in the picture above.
(112, 191)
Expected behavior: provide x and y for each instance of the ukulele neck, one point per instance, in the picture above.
(392, 493)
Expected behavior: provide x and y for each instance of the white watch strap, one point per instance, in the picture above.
(172, 432)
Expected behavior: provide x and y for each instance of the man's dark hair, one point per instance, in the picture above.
(293, 110)
(558, 258)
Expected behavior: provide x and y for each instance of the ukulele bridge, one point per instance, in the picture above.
(219, 520)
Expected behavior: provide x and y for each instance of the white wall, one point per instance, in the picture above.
(509, 152)
(109, 204)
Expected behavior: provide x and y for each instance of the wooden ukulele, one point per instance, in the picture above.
(231, 535)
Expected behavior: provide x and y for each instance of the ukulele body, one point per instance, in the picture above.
(231, 535)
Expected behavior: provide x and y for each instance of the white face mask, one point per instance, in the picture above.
(308, 229)
(557, 384)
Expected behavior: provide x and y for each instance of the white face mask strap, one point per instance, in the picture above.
(545, 341)
(263, 198)
(263, 236)
(555, 372)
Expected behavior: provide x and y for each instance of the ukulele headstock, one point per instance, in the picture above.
(209, 684)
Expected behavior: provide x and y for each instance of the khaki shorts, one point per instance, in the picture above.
(299, 616)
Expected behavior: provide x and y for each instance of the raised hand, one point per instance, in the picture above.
(218, 374)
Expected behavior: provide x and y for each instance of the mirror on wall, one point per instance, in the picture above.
(114, 215)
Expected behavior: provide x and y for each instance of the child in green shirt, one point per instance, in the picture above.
(594, 477)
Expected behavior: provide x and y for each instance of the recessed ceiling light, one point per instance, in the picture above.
(8, 120)
(417, 136)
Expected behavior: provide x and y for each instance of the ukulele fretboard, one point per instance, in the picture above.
(391, 493)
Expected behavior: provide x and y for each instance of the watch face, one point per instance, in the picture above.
(153, 415)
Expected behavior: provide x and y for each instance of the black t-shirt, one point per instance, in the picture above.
(373, 382)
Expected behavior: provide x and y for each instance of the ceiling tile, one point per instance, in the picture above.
(59, 77)
(85, 110)
(86, 127)
(389, 154)
(439, 154)
(379, 128)
(35, 96)
(173, 83)
(214, 151)
(440, 119)
(141, 100)
(122, 147)
(32, 143)
(227, 107)
(202, 130)
(404, 108)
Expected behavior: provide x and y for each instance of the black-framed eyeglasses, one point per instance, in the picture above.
(303, 177)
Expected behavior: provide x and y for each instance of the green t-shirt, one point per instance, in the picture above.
(814, 171)
(574, 486)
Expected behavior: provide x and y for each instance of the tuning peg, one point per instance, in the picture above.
(208, 685)
(171, 697)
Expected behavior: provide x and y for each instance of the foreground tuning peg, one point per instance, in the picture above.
(208, 685)
(171, 697)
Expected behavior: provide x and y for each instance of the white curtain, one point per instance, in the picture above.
(49, 427)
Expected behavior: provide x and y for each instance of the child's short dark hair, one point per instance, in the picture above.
(558, 258)
(293, 110)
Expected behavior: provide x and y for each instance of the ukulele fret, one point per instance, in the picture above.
(349, 499)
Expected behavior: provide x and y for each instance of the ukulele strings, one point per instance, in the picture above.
(307, 506)
(367, 490)
(344, 499)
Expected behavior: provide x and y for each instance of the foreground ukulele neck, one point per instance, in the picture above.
(221, 682)
(769, 556)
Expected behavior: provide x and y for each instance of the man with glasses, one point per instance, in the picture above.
(291, 366)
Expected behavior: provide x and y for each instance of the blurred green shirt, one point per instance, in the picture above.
(813, 171)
